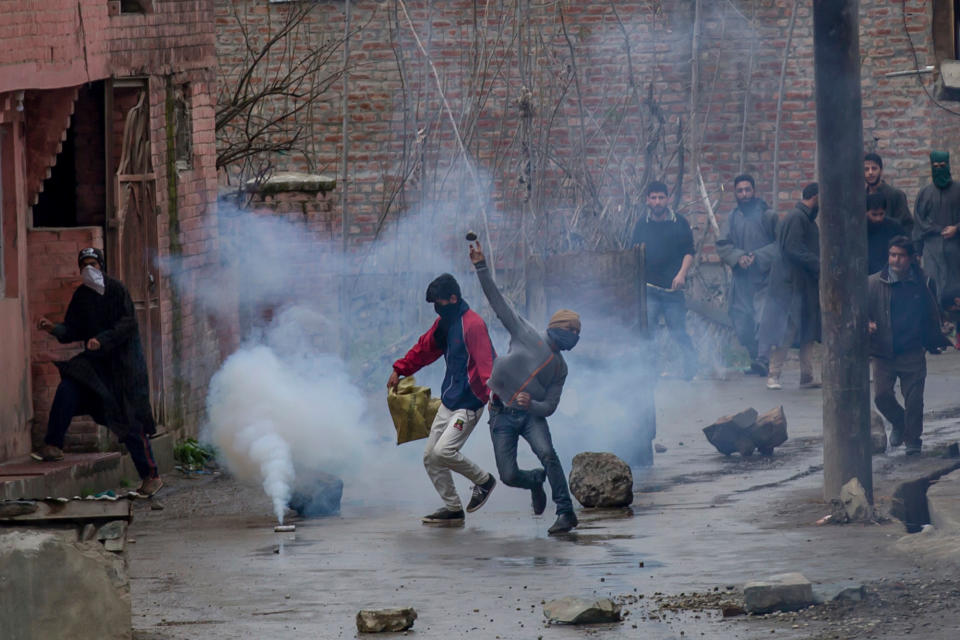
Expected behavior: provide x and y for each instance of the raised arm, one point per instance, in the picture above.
(508, 316)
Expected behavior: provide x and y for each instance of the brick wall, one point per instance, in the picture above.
(397, 120)
(54, 276)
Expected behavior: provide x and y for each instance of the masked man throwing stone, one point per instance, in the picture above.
(108, 380)
(527, 383)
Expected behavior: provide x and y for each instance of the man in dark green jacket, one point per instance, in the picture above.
(904, 322)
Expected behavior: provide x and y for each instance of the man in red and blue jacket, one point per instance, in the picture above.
(460, 336)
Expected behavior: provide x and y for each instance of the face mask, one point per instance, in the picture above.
(93, 278)
(941, 175)
(563, 338)
(446, 311)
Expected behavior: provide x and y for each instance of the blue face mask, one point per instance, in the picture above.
(564, 338)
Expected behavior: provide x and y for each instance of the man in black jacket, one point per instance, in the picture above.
(108, 380)
(904, 322)
(880, 231)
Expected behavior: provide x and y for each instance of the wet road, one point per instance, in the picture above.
(210, 565)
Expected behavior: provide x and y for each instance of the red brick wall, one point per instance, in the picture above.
(54, 276)
(900, 121)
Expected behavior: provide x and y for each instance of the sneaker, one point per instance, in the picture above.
(47, 453)
(149, 487)
(539, 495)
(774, 384)
(445, 518)
(914, 447)
(565, 522)
(896, 437)
(481, 493)
(807, 382)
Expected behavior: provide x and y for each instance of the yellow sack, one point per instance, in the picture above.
(412, 410)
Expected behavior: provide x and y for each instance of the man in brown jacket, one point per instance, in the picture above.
(904, 322)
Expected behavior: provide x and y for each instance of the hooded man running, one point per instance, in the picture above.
(460, 336)
(527, 383)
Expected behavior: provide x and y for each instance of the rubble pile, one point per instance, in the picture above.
(745, 432)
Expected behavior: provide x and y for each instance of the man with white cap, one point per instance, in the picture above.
(526, 384)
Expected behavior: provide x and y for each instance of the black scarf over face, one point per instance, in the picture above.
(451, 313)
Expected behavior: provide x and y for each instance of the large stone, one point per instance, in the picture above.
(854, 500)
(783, 592)
(769, 431)
(601, 480)
(839, 592)
(316, 494)
(878, 433)
(53, 586)
(729, 434)
(572, 610)
(385, 620)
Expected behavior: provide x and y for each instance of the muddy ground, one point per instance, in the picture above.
(208, 564)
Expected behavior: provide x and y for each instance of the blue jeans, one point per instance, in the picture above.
(507, 426)
(673, 307)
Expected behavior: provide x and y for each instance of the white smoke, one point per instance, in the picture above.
(279, 405)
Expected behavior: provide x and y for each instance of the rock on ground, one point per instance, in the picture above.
(769, 431)
(839, 592)
(601, 480)
(317, 494)
(573, 610)
(854, 499)
(782, 592)
(729, 433)
(385, 620)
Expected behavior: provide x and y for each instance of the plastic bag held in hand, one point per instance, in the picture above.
(412, 410)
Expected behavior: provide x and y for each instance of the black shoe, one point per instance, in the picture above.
(481, 492)
(539, 495)
(896, 437)
(444, 518)
(565, 522)
(757, 368)
(914, 447)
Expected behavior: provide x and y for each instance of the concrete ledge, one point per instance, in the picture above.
(943, 501)
(78, 472)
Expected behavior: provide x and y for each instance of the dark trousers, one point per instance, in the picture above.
(745, 326)
(911, 369)
(672, 306)
(507, 426)
(72, 400)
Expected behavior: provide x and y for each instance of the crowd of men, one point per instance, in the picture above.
(914, 281)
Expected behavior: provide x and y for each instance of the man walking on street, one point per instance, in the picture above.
(526, 385)
(669, 256)
(896, 200)
(903, 323)
(748, 247)
(460, 336)
(880, 231)
(791, 313)
(108, 380)
(938, 224)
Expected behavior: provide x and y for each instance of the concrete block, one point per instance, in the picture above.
(782, 592)
(53, 586)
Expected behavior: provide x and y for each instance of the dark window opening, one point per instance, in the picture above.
(134, 6)
(75, 193)
(183, 134)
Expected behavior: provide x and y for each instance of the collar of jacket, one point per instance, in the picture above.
(671, 216)
(807, 211)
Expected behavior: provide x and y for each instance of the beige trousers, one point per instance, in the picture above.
(448, 434)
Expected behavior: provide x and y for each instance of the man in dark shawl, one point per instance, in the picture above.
(748, 247)
(938, 224)
(791, 313)
(108, 379)
(880, 231)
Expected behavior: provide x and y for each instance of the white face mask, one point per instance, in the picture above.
(93, 278)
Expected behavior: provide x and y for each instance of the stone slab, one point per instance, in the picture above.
(782, 592)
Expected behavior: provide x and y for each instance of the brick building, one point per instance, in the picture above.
(568, 108)
(107, 139)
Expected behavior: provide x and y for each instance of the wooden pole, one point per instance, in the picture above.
(843, 248)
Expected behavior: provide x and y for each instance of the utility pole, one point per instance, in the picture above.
(843, 247)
